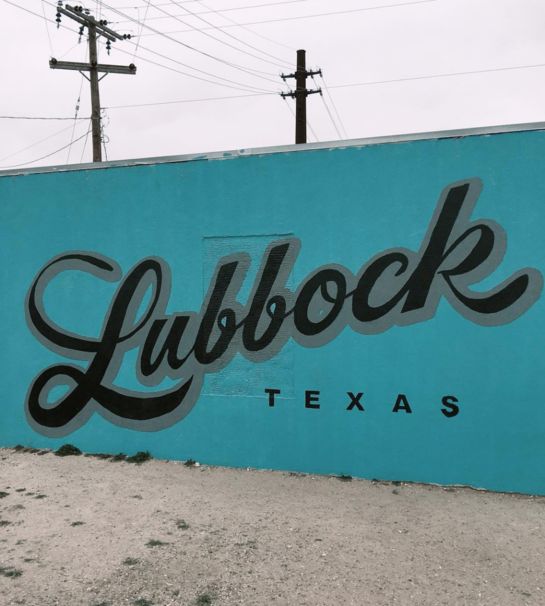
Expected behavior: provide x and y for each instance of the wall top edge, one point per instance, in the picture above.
(279, 149)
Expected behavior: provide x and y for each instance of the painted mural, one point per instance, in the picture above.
(385, 325)
(396, 287)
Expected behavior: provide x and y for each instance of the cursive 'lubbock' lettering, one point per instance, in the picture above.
(396, 287)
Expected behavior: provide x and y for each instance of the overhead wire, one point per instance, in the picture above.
(141, 28)
(444, 75)
(244, 27)
(232, 83)
(336, 86)
(230, 8)
(68, 51)
(192, 48)
(175, 101)
(313, 15)
(46, 156)
(40, 118)
(75, 122)
(331, 118)
(47, 30)
(20, 151)
(333, 121)
(84, 145)
(103, 137)
(76, 112)
(334, 105)
(277, 61)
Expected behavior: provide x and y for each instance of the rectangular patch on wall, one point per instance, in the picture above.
(244, 378)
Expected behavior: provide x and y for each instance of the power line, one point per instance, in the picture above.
(188, 46)
(331, 118)
(233, 84)
(175, 101)
(334, 107)
(47, 30)
(348, 85)
(275, 62)
(261, 91)
(77, 109)
(84, 146)
(313, 15)
(446, 75)
(47, 155)
(75, 119)
(141, 28)
(20, 151)
(41, 118)
(231, 8)
(252, 31)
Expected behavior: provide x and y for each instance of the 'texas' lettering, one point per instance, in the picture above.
(396, 287)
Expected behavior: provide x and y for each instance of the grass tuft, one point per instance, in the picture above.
(68, 450)
(155, 543)
(140, 457)
(10, 572)
(119, 457)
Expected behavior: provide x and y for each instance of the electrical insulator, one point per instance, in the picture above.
(108, 46)
(58, 20)
(81, 30)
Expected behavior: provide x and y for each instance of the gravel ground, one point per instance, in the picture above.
(84, 531)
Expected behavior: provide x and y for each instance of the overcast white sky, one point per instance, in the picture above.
(392, 42)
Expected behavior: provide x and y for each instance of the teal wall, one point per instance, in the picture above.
(345, 206)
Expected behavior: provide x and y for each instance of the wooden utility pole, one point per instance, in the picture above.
(95, 94)
(300, 95)
(95, 29)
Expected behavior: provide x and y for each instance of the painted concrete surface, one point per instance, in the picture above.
(446, 389)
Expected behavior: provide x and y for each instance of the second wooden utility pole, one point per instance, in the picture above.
(300, 95)
(95, 29)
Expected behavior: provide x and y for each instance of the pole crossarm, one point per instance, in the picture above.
(310, 73)
(87, 67)
(293, 94)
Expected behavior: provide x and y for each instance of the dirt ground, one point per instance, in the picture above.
(83, 531)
